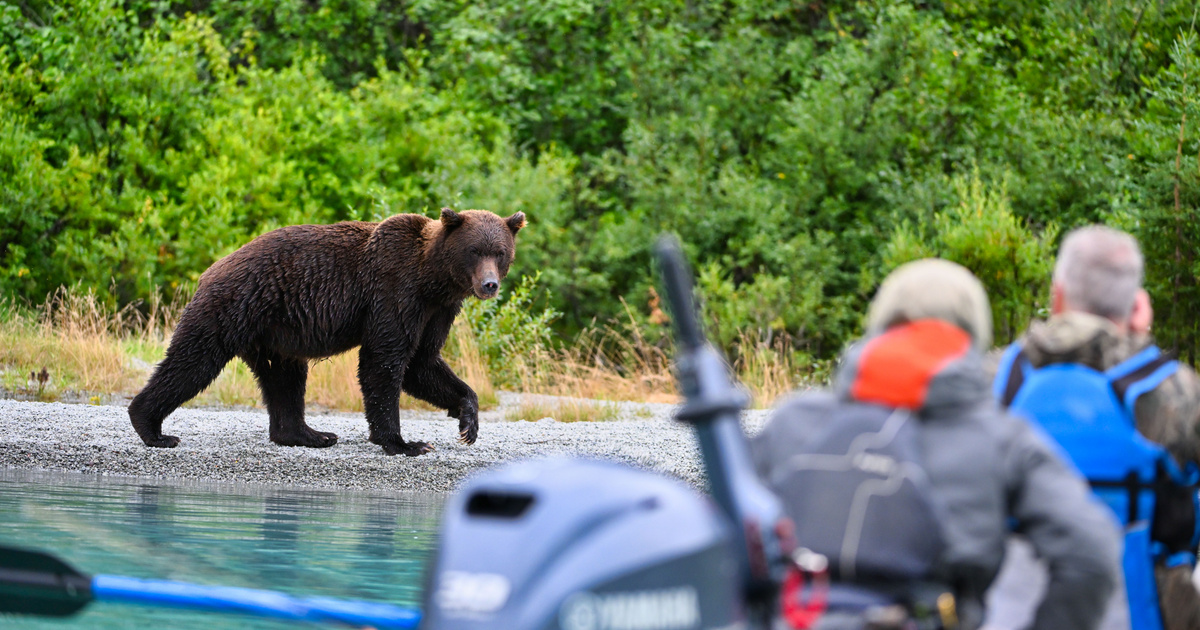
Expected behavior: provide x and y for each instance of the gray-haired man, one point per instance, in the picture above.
(1100, 318)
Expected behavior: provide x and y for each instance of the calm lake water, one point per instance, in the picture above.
(355, 545)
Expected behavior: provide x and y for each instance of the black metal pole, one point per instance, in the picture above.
(713, 406)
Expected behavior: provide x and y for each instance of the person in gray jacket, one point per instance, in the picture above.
(985, 471)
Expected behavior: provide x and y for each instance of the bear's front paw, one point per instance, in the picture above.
(468, 429)
(398, 446)
(162, 441)
(468, 420)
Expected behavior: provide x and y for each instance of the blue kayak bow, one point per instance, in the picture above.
(36, 583)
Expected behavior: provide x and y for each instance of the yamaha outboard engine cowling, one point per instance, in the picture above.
(569, 544)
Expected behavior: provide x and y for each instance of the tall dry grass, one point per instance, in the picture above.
(73, 337)
(89, 348)
(769, 370)
(617, 362)
(470, 364)
(333, 382)
(533, 409)
(601, 363)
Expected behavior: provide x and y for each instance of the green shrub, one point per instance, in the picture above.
(1164, 199)
(981, 233)
(507, 328)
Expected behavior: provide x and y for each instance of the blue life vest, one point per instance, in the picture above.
(1090, 414)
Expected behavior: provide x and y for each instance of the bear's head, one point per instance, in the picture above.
(480, 246)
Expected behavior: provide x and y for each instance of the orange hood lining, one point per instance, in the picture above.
(896, 368)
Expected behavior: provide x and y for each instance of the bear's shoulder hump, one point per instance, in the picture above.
(403, 224)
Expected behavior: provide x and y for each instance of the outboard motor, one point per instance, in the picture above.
(569, 544)
(582, 545)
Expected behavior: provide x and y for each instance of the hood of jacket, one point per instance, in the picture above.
(928, 366)
(1079, 338)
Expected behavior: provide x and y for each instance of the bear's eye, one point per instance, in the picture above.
(474, 251)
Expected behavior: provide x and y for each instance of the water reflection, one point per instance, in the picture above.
(377, 534)
(303, 541)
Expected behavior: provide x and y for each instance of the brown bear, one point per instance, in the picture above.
(304, 292)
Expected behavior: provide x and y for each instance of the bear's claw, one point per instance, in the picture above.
(468, 427)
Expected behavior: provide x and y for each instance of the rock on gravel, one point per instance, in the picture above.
(232, 446)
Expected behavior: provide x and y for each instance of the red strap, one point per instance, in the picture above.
(799, 613)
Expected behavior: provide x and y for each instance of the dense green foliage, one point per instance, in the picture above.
(981, 234)
(796, 148)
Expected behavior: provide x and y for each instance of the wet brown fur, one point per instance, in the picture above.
(312, 291)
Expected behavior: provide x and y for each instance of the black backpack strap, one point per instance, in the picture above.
(1016, 378)
(1143, 372)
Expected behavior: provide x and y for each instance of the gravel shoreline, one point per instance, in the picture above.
(232, 446)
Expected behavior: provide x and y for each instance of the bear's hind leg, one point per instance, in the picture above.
(282, 381)
(185, 372)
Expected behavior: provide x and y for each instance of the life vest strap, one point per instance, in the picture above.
(1134, 486)
(1130, 378)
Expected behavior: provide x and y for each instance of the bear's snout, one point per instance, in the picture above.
(487, 288)
(486, 282)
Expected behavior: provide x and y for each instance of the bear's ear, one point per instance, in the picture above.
(451, 219)
(515, 222)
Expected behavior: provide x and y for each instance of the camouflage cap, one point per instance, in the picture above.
(933, 289)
